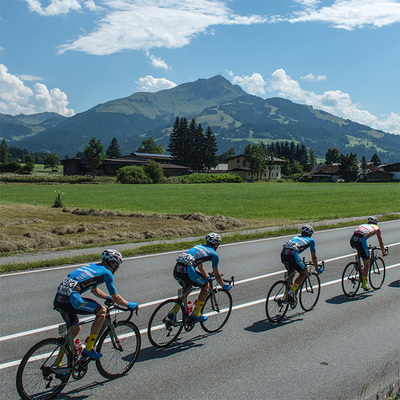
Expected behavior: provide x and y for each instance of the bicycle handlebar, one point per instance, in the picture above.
(231, 281)
(111, 306)
(373, 248)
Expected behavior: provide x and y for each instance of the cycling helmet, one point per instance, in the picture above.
(372, 220)
(213, 238)
(307, 230)
(111, 255)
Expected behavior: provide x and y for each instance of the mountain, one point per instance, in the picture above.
(20, 127)
(235, 117)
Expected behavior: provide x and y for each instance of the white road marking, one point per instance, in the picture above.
(144, 331)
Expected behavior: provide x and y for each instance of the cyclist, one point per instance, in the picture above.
(69, 299)
(358, 241)
(291, 259)
(189, 271)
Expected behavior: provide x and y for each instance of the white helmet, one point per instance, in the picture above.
(372, 220)
(111, 255)
(307, 230)
(213, 238)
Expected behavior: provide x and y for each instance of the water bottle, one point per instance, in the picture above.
(189, 307)
(78, 347)
(195, 304)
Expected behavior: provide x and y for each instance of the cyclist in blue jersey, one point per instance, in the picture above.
(291, 259)
(69, 295)
(189, 271)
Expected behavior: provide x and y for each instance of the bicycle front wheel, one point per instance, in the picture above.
(309, 292)
(377, 273)
(350, 279)
(217, 308)
(276, 305)
(37, 376)
(120, 351)
(165, 326)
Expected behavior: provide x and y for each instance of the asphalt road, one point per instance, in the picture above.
(340, 350)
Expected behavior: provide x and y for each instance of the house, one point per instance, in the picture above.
(110, 166)
(239, 165)
(324, 173)
(384, 173)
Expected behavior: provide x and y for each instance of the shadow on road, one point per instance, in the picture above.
(152, 352)
(340, 299)
(395, 283)
(77, 394)
(265, 325)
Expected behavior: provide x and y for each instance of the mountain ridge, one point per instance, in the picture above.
(235, 117)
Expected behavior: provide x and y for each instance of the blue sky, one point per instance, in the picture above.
(67, 56)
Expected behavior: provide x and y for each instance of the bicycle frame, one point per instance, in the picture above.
(66, 333)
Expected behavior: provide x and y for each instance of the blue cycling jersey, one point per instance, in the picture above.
(204, 252)
(87, 277)
(298, 244)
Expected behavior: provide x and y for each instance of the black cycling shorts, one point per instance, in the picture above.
(62, 302)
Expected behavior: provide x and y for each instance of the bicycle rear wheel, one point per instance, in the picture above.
(37, 376)
(377, 273)
(218, 310)
(163, 327)
(275, 304)
(309, 292)
(350, 279)
(119, 352)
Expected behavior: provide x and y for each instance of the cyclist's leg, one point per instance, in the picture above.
(364, 253)
(88, 306)
(199, 279)
(301, 269)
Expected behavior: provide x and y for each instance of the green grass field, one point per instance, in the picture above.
(271, 201)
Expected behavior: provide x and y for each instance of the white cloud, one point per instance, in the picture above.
(56, 7)
(157, 62)
(151, 84)
(30, 78)
(311, 78)
(16, 98)
(350, 14)
(334, 102)
(253, 84)
(147, 24)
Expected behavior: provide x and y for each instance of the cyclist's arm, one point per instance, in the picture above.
(99, 293)
(116, 298)
(218, 277)
(382, 246)
(314, 260)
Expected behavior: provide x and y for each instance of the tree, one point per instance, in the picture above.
(286, 170)
(3, 153)
(296, 167)
(52, 161)
(113, 150)
(332, 156)
(94, 154)
(29, 164)
(348, 168)
(190, 146)
(150, 146)
(154, 171)
(223, 157)
(312, 159)
(363, 166)
(375, 160)
(255, 155)
(210, 149)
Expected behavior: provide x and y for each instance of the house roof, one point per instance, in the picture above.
(321, 169)
(276, 160)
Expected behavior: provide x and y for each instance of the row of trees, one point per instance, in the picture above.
(191, 146)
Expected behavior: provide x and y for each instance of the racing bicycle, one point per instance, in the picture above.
(165, 326)
(352, 274)
(47, 366)
(278, 300)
